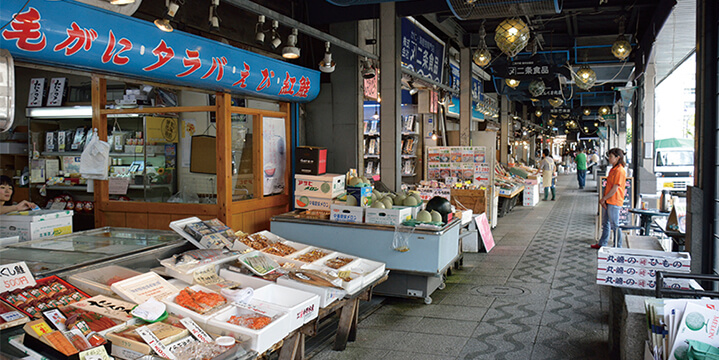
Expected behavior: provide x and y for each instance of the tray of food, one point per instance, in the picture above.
(259, 263)
(310, 254)
(196, 302)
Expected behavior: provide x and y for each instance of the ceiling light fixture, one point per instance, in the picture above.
(585, 77)
(513, 83)
(621, 47)
(556, 102)
(482, 56)
(412, 89)
(259, 33)
(214, 18)
(327, 65)
(291, 51)
(121, 2)
(276, 39)
(587, 111)
(512, 35)
(604, 110)
(537, 87)
(538, 113)
(171, 10)
(596, 124)
(368, 71)
(434, 135)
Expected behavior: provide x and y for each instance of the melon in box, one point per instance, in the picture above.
(393, 216)
(362, 194)
(312, 203)
(344, 213)
(327, 186)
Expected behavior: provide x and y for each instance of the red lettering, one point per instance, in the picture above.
(192, 60)
(304, 87)
(164, 54)
(26, 30)
(76, 39)
(243, 76)
(266, 76)
(287, 85)
(219, 64)
(110, 54)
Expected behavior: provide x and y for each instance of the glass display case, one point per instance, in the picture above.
(54, 255)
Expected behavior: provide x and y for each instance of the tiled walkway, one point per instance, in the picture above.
(532, 297)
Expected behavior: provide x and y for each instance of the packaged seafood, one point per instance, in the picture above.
(199, 301)
(255, 241)
(237, 320)
(312, 255)
(258, 263)
(10, 317)
(279, 249)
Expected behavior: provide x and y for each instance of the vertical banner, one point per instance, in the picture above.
(274, 155)
(421, 51)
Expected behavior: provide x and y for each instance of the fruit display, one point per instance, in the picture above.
(199, 301)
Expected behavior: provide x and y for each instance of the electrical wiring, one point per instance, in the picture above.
(16, 14)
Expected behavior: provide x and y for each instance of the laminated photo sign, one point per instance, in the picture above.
(203, 154)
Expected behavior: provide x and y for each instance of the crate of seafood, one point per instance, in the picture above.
(183, 266)
(256, 241)
(310, 254)
(265, 326)
(208, 234)
(301, 306)
(196, 302)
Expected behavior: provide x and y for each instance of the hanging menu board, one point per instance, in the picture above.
(464, 163)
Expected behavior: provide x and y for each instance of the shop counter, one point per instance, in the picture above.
(416, 273)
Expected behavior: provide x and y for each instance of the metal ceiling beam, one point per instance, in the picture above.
(422, 78)
(306, 29)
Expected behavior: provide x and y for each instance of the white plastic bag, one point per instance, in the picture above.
(95, 159)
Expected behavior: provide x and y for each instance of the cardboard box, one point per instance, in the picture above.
(344, 213)
(328, 186)
(37, 224)
(311, 160)
(362, 194)
(393, 216)
(312, 203)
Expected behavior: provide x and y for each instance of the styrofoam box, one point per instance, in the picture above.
(244, 280)
(187, 273)
(301, 306)
(633, 283)
(179, 227)
(94, 282)
(142, 287)
(349, 286)
(240, 246)
(655, 259)
(371, 270)
(604, 270)
(38, 225)
(175, 308)
(312, 203)
(470, 241)
(327, 295)
(466, 217)
(344, 213)
(260, 340)
(327, 186)
(293, 257)
(393, 216)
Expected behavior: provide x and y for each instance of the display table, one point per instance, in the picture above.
(508, 199)
(416, 273)
(646, 216)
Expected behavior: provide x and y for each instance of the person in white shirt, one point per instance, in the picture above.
(549, 173)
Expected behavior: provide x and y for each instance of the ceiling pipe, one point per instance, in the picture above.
(305, 29)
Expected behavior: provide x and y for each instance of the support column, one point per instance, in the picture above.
(644, 132)
(389, 84)
(505, 124)
(465, 95)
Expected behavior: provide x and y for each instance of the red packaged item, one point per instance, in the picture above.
(10, 317)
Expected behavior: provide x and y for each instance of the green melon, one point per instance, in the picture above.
(436, 217)
(378, 205)
(410, 201)
(351, 200)
(424, 216)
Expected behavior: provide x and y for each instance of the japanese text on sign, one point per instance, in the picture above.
(421, 51)
(15, 276)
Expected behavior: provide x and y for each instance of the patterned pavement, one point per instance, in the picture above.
(532, 297)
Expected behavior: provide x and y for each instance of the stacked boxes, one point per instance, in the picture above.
(636, 269)
(317, 191)
(531, 193)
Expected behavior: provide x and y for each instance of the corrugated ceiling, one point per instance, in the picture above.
(676, 40)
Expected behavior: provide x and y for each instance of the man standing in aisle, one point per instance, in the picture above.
(581, 161)
(549, 171)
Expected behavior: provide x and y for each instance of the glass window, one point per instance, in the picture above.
(243, 178)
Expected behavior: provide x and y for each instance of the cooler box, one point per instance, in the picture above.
(327, 186)
(38, 224)
(310, 160)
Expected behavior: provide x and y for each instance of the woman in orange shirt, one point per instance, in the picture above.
(613, 198)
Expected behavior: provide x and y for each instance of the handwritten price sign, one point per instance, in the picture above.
(15, 276)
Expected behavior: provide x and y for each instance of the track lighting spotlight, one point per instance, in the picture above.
(259, 33)
(170, 12)
(291, 51)
(327, 65)
(214, 19)
(412, 89)
(368, 71)
(276, 39)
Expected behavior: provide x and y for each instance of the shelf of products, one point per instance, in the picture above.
(371, 147)
(410, 140)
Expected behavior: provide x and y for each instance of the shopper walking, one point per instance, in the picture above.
(581, 161)
(613, 198)
(549, 173)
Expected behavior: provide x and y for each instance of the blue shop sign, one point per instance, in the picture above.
(72, 34)
(421, 51)
(476, 94)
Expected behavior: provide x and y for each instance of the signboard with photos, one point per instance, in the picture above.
(464, 163)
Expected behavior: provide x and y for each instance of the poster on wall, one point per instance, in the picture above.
(189, 127)
(274, 155)
(465, 163)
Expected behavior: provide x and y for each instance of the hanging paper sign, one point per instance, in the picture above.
(476, 97)
(196, 331)
(73, 34)
(56, 92)
(15, 276)
(118, 185)
(421, 51)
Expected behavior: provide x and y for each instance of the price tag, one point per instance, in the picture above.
(41, 328)
(343, 274)
(151, 339)
(98, 353)
(15, 276)
(11, 316)
(206, 276)
(196, 331)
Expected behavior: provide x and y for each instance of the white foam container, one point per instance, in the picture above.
(186, 274)
(175, 308)
(301, 306)
(141, 287)
(94, 282)
(260, 340)
(293, 257)
(253, 282)
(327, 295)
